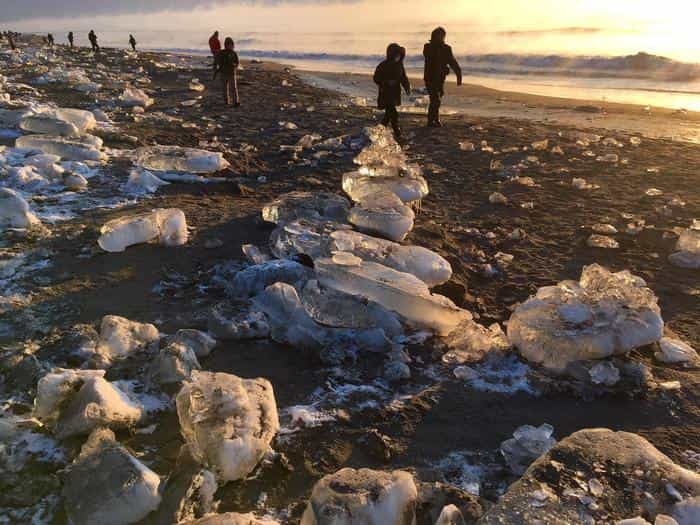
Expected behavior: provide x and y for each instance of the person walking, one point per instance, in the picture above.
(226, 64)
(70, 39)
(439, 59)
(50, 40)
(214, 46)
(390, 77)
(93, 41)
(132, 42)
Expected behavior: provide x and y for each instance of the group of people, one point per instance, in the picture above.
(92, 37)
(226, 64)
(390, 77)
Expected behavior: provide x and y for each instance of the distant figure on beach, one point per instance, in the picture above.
(50, 40)
(438, 62)
(132, 42)
(214, 46)
(70, 39)
(390, 76)
(11, 40)
(92, 37)
(226, 64)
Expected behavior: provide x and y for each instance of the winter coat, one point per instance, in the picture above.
(438, 62)
(214, 45)
(226, 62)
(390, 76)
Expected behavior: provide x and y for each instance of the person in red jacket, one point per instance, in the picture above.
(215, 46)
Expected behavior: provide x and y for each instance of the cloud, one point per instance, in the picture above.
(33, 9)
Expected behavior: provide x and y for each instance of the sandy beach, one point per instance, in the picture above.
(434, 425)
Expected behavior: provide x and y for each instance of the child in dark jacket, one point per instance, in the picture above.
(390, 76)
(226, 64)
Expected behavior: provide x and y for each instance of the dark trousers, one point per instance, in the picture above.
(435, 92)
(230, 85)
(391, 116)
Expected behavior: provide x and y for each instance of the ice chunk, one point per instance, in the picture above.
(143, 181)
(604, 314)
(450, 515)
(471, 342)
(675, 351)
(164, 226)
(48, 125)
(330, 307)
(175, 158)
(201, 343)
(14, 211)
(382, 150)
(236, 326)
(74, 181)
(77, 402)
(428, 266)
(228, 422)
(498, 198)
(304, 236)
(305, 205)
(133, 96)
(174, 364)
(120, 337)
(196, 85)
(359, 186)
(107, 485)
(604, 373)
(527, 444)
(256, 278)
(384, 214)
(688, 254)
(232, 518)
(602, 241)
(82, 147)
(367, 497)
(400, 292)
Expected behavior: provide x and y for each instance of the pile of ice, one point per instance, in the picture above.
(133, 96)
(228, 422)
(76, 78)
(364, 497)
(688, 248)
(383, 186)
(602, 315)
(166, 226)
(176, 158)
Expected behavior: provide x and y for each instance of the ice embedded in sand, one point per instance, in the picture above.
(14, 211)
(688, 248)
(425, 264)
(527, 444)
(602, 315)
(364, 496)
(107, 485)
(133, 96)
(306, 205)
(164, 226)
(76, 402)
(228, 422)
(400, 292)
(81, 147)
(120, 337)
(176, 158)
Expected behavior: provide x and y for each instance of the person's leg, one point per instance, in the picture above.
(433, 106)
(393, 114)
(236, 99)
(227, 90)
(387, 116)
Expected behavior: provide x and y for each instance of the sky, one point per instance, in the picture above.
(667, 25)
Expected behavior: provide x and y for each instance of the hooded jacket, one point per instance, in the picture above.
(214, 44)
(438, 62)
(390, 76)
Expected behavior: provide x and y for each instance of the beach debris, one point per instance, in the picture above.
(467, 146)
(163, 226)
(527, 444)
(15, 212)
(541, 145)
(653, 192)
(610, 158)
(81, 147)
(498, 198)
(75, 402)
(635, 141)
(133, 96)
(606, 457)
(228, 422)
(602, 315)
(400, 292)
(675, 351)
(362, 496)
(196, 85)
(582, 184)
(306, 205)
(687, 253)
(107, 485)
(604, 229)
(602, 241)
(176, 158)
